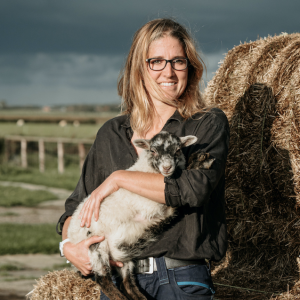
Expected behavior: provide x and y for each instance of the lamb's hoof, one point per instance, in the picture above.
(200, 160)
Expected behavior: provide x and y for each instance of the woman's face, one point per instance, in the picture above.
(171, 81)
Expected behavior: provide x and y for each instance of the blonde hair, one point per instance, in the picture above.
(135, 98)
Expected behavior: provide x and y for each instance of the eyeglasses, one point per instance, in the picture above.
(158, 64)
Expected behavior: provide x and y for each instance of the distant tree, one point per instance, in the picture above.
(3, 104)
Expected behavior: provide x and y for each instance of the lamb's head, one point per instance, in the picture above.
(164, 151)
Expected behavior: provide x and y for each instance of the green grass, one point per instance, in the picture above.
(25, 112)
(50, 177)
(14, 196)
(25, 239)
(85, 131)
(11, 267)
(9, 214)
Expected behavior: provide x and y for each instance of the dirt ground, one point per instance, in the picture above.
(15, 284)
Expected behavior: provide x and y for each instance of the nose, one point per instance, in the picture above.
(166, 168)
(168, 70)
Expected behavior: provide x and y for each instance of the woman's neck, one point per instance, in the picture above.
(163, 113)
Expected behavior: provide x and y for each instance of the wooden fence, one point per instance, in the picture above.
(41, 143)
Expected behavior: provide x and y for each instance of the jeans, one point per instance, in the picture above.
(188, 282)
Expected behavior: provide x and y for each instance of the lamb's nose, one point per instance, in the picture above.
(166, 168)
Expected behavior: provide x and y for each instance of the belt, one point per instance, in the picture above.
(148, 265)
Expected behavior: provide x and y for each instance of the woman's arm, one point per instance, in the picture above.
(148, 185)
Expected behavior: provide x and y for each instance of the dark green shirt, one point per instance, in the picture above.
(199, 230)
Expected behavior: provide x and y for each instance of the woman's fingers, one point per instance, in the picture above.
(83, 208)
(92, 205)
(97, 208)
(77, 254)
(93, 208)
(93, 240)
(82, 211)
(86, 267)
(84, 216)
(89, 214)
(89, 210)
(116, 263)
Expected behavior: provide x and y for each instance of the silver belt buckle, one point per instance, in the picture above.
(151, 265)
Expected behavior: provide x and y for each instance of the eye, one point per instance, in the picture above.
(156, 61)
(177, 151)
(179, 61)
(153, 151)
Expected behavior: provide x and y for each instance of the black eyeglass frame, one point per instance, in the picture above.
(148, 60)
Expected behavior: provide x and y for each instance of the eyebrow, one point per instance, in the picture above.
(171, 58)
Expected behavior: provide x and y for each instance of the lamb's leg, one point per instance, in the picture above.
(128, 286)
(108, 287)
(200, 160)
(100, 264)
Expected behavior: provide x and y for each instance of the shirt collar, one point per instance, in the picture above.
(176, 116)
(126, 123)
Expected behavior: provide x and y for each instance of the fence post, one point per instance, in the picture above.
(60, 155)
(24, 153)
(81, 152)
(6, 150)
(42, 155)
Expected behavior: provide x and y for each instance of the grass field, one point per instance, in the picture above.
(86, 131)
(42, 238)
(50, 177)
(13, 196)
(24, 239)
(56, 113)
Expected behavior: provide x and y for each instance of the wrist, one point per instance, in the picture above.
(67, 247)
(62, 246)
(118, 178)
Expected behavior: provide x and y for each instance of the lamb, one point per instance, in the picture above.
(128, 221)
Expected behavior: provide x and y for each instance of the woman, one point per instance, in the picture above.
(160, 91)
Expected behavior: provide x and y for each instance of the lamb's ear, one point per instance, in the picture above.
(188, 140)
(142, 143)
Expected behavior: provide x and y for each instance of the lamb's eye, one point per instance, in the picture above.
(153, 151)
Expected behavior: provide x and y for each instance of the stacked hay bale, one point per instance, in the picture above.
(66, 285)
(258, 87)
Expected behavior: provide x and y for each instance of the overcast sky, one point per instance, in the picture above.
(71, 51)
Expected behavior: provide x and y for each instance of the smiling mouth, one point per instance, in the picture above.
(167, 83)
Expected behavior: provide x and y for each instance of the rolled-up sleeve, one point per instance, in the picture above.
(194, 187)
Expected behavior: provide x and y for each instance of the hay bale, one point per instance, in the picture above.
(258, 87)
(66, 285)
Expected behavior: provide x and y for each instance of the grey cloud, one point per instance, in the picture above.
(71, 51)
(74, 70)
(59, 78)
(107, 26)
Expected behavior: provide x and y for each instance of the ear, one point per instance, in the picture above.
(188, 140)
(142, 143)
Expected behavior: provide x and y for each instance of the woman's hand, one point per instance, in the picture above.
(108, 187)
(77, 254)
